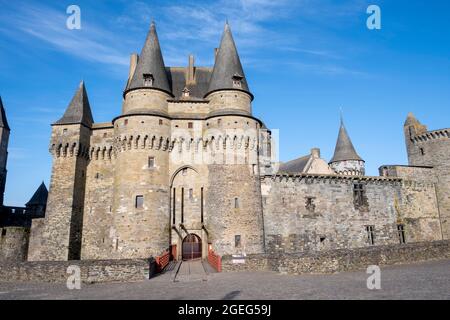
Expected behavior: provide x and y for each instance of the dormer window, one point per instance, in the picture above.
(237, 80)
(148, 79)
(186, 92)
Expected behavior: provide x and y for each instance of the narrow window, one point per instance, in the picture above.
(97, 175)
(151, 162)
(126, 121)
(105, 135)
(237, 241)
(236, 203)
(182, 205)
(359, 195)
(190, 125)
(310, 205)
(139, 202)
(422, 151)
(401, 233)
(322, 239)
(219, 122)
(3, 232)
(184, 172)
(370, 235)
(201, 204)
(160, 122)
(191, 194)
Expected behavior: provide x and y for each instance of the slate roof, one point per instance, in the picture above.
(150, 61)
(344, 147)
(227, 65)
(295, 166)
(3, 120)
(177, 80)
(79, 109)
(39, 197)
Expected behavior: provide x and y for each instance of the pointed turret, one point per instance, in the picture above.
(150, 71)
(3, 120)
(344, 147)
(79, 109)
(228, 73)
(39, 197)
(345, 160)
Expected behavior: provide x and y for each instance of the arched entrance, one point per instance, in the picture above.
(192, 247)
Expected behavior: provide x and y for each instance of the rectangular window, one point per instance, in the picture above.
(190, 125)
(3, 232)
(370, 235)
(151, 162)
(236, 203)
(359, 195)
(160, 122)
(126, 121)
(237, 241)
(191, 194)
(401, 233)
(310, 206)
(139, 202)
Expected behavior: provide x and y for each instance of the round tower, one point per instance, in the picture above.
(141, 184)
(233, 200)
(345, 160)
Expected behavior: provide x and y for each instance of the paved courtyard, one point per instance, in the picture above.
(429, 280)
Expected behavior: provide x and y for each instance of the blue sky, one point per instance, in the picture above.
(304, 60)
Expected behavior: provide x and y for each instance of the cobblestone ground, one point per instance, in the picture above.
(429, 280)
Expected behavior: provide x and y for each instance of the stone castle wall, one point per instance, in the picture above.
(432, 148)
(14, 244)
(317, 213)
(341, 260)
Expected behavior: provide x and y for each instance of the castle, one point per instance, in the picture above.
(186, 167)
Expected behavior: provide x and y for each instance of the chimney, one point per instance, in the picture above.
(315, 152)
(133, 63)
(190, 74)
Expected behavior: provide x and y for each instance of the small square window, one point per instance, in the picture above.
(151, 162)
(139, 202)
(105, 135)
(64, 131)
(190, 125)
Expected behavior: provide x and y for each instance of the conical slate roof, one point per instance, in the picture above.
(150, 62)
(3, 120)
(39, 197)
(227, 66)
(344, 147)
(79, 109)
